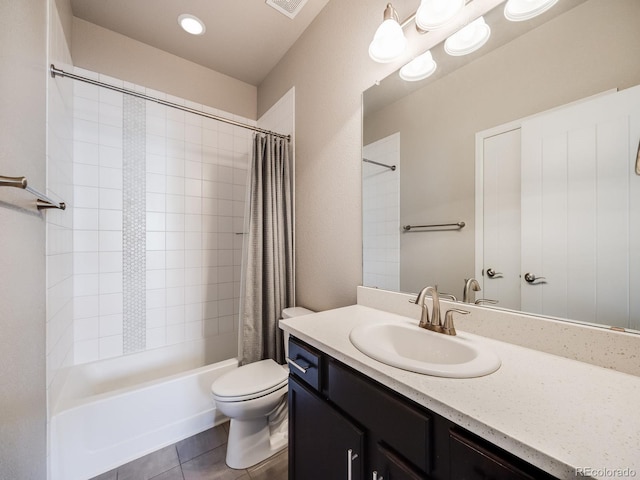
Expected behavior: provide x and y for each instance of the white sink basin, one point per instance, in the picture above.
(409, 347)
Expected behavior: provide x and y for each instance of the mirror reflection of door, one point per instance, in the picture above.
(571, 171)
(501, 186)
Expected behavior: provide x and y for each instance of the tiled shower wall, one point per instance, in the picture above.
(59, 253)
(158, 220)
(381, 214)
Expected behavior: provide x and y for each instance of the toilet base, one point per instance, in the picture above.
(252, 441)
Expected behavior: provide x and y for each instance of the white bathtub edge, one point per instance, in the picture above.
(98, 434)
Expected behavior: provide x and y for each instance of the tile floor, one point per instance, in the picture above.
(197, 458)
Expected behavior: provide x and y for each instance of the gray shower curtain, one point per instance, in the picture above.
(268, 283)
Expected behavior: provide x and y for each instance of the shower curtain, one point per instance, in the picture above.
(269, 283)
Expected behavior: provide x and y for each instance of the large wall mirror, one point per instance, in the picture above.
(441, 134)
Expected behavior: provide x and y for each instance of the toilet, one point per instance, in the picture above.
(254, 398)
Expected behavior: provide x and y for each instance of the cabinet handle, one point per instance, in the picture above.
(303, 369)
(376, 477)
(350, 458)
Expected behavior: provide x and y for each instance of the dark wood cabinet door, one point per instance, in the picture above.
(390, 466)
(323, 445)
(473, 459)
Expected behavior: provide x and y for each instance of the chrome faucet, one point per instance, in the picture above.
(470, 284)
(435, 322)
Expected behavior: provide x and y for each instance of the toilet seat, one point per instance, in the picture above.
(250, 381)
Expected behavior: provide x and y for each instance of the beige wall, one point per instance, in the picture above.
(23, 27)
(329, 68)
(101, 50)
(66, 17)
(589, 49)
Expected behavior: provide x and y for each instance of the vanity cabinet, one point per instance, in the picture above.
(327, 443)
(345, 426)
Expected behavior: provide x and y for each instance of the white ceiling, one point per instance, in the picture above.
(244, 39)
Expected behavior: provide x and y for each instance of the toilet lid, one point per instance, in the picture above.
(249, 381)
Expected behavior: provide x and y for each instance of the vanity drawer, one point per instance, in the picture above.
(394, 421)
(305, 362)
(472, 458)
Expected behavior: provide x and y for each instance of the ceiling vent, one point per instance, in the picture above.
(290, 8)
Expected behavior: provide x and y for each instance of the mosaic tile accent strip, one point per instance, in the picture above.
(134, 225)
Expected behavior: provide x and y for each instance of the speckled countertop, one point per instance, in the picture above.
(566, 417)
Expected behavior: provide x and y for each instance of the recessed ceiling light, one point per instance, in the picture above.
(191, 24)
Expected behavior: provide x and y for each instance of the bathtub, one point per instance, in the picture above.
(112, 411)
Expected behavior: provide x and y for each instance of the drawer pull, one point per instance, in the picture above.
(350, 458)
(376, 477)
(303, 368)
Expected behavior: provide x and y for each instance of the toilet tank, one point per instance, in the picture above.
(292, 312)
(295, 312)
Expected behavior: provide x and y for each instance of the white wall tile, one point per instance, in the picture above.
(110, 241)
(156, 299)
(110, 199)
(86, 262)
(86, 197)
(110, 283)
(86, 328)
(85, 241)
(156, 260)
(110, 220)
(156, 279)
(175, 296)
(86, 307)
(156, 163)
(111, 115)
(194, 199)
(85, 218)
(110, 304)
(110, 262)
(86, 175)
(156, 240)
(193, 330)
(111, 178)
(175, 204)
(111, 346)
(156, 317)
(87, 351)
(110, 156)
(111, 325)
(156, 337)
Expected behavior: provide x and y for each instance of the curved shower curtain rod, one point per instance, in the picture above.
(57, 72)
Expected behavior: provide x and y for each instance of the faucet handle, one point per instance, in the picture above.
(448, 328)
(488, 301)
(448, 296)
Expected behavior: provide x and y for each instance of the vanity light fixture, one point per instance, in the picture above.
(419, 68)
(191, 24)
(389, 41)
(433, 14)
(520, 10)
(468, 39)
